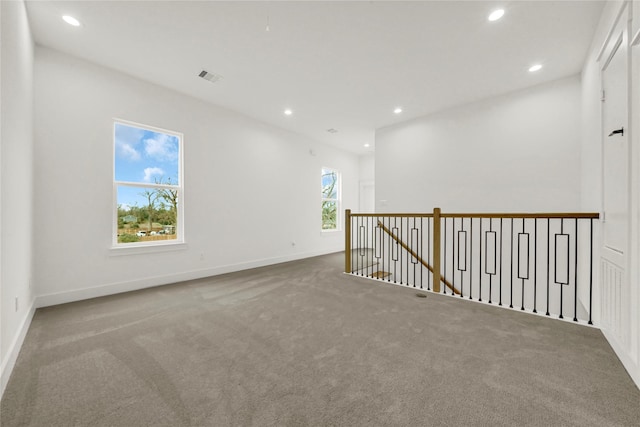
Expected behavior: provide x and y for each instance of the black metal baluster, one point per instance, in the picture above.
(471, 259)
(381, 240)
(535, 264)
(444, 258)
(561, 286)
(366, 239)
(522, 296)
(409, 256)
(395, 260)
(590, 268)
(480, 261)
(400, 251)
(370, 224)
(486, 252)
(358, 249)
(415, 250)
(511, 286)
(575, 277)
(500, 298)
(453, 255)
(389, 249)
(421, 247)
(465, 257)
(429, 251)
(548, 260)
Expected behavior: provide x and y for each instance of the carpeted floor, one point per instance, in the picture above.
(303, 344)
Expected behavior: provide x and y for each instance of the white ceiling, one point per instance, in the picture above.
(344, 65)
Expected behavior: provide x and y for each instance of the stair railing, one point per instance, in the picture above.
(530, 261)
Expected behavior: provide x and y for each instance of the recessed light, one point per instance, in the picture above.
(367, 145)
(71, 20)
(496, 14)
(398, 110)
(288, 112)
(535, 68)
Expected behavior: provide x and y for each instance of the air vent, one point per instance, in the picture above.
(332, 130)
(209, 76)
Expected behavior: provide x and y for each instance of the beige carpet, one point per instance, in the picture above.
(303, 344)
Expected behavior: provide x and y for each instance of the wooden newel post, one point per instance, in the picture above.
(347, 241)
(436, 249)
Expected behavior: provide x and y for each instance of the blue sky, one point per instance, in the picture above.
(328, 176)
(143, 156)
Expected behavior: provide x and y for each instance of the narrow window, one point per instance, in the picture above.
(330, 199)
(147, 185)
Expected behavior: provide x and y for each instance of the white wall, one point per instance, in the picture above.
(367, 167)
(16, 182)
(515, 153)
(251, 189)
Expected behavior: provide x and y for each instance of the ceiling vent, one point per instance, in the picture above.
(332, 130)
(210, 77)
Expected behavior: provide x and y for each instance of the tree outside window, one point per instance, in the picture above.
(330, 199)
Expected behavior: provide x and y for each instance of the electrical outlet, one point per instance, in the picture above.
(16, 301)
(201, 256)
(293, 243)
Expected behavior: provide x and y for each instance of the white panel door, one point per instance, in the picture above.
(615, 176)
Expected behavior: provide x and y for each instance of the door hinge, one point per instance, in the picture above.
(603, 97)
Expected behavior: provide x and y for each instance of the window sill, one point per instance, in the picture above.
(133, 249)
(330, 231)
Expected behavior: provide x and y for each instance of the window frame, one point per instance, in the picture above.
(155, 245)
(337, 200)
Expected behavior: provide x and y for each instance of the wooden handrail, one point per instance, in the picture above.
(415, 255)
(578, 215)
(387, 215)
(554, 215)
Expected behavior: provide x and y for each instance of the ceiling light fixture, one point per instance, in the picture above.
(288, 112)
(71, 20)
(398, 110)
(496, 14)
(367, 145)
(535, 68)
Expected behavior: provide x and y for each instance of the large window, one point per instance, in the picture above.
(330, 199)
(147, 185)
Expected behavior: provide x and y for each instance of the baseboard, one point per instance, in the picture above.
(149, 282)
(14, 349)
(629, 364)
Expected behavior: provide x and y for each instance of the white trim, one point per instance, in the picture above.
(147, 247)
(14, 349)
(148, 127)
(149, 282)
(566, 319)
(603, 48)
(632, 368)
(635, 41)
(179, 188)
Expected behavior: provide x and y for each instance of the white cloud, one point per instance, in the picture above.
(162, 147)
(127, 151)
(151, 172)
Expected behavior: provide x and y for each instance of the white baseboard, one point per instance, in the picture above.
(629, 364)
(14, 349)
(148, 282)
